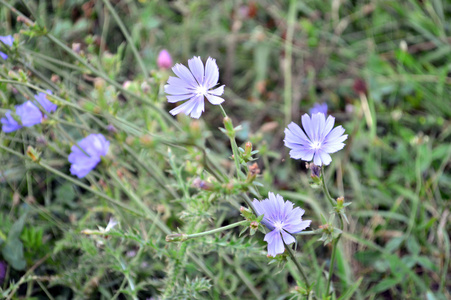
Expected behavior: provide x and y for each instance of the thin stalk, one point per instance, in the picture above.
(326, 190)
(234, 148)
(127, 37)
(332, 259)
(213, 231)
(298, 266)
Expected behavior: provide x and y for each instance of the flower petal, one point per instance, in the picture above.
(287, 238)
(29, 114)
(215, 100)
(328, 126)
(185, 74)
(186, 107)
(296, 228)
(275, 243)
(177, 98)
(177, 90)
(295, 133)
(211, 73)
(217, 91)
(197, 69)
(308, 126)
(325, 158)
(198, 109)
(317, 159)
(302, 153)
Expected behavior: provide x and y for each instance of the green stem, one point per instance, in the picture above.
(199, 234)
(298, 266)
(335, 243)
(128, 38)
(332, 259)
(234, 148)
(326, 190)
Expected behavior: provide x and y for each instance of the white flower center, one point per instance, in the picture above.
(316, 145)
(278, 225)
(201, 90)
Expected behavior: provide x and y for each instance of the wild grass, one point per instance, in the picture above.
(381, 66)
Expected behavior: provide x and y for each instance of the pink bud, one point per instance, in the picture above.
(164, 60)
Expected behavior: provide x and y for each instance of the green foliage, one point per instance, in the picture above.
(382, 68)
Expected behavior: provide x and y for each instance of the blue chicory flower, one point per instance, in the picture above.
(29, 114)
(95, 145)
(318, 108)
(194, 84)
(282, 219)
(8, 41)
(9, 124)
(318, 140)
(46, 103)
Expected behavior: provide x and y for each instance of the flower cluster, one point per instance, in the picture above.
(8, 41)
(87, 153)
(315, 142)
(28, 113)
(282, 219)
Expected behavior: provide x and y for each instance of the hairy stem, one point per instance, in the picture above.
(326, 190)
(199, 234)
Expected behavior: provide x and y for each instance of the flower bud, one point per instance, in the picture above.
(76, 47)
(164, 60)
(254, 170)
(229, 127)
(315, 172)
(111, 128)
(254, 225)
(248, 149)
(360, 86)
(202, 184)
(340, 201)
(33, 154)
(145, 87)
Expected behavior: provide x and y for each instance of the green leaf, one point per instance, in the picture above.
(13, 253)
(413, 246)
(385, 285)
(16, 229)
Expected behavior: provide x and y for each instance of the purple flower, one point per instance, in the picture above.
(318, 108)
(194, 84)
(3, 267)
(318, 140)
(46, 103)
(282, 219)
(29, 114)
(95, 145)
(9, 124)
(8, 41)
(164, 60)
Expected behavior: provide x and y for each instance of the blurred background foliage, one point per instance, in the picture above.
(382, 66)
